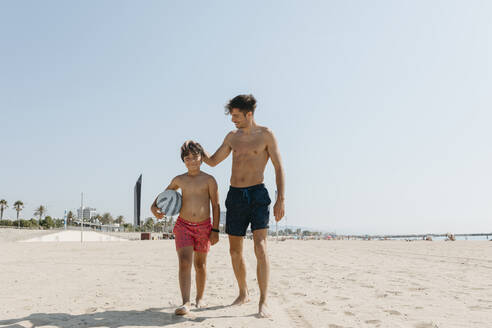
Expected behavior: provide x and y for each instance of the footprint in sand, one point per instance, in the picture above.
(91, 310)
(426, 325)
(343, 298)
(297, 317)
(477, 308)
(485, 301)
(373, 322)
(392, 312)
(394, 292)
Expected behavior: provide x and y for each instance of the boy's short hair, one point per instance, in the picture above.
(191, 147)
(245, 104)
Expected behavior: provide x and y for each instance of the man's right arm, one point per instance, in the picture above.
(221, 153)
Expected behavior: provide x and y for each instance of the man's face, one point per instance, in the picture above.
(193, 161)
(238, 118)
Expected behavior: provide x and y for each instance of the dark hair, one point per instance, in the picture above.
(245, 103)
(191, 147)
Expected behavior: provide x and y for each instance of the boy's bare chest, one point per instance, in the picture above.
(194, 185)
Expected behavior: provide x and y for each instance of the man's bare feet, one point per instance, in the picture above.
(200, 304)
(241, 299)
(263, 311)
(183, 309)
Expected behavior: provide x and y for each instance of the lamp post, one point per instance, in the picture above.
(82, 216)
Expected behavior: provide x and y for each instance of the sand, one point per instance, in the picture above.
(313, 284)
(74, 236)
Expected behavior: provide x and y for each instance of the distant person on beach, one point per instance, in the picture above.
(193, 230)
(248, 200)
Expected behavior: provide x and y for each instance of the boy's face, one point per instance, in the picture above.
(193, 161)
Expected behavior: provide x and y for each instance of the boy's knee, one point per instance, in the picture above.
(184, 262)
(200, 266)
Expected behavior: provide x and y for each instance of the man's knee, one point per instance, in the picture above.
(260, 249)
(236, 254)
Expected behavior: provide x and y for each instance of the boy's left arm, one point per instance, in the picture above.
(213, 192)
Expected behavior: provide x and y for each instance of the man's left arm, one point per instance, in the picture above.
(273, 152)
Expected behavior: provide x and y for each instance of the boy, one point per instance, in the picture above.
(193, 231)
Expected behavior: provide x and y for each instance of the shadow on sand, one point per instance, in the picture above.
(151, 317)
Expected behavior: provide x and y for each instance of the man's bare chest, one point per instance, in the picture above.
(248, 145)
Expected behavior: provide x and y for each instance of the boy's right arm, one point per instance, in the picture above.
(154, 209)
(221, 153)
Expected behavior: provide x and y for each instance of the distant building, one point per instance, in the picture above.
(87, 213)
(222, 221)
(222, 218)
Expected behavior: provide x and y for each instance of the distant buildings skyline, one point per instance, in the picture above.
(87, 213)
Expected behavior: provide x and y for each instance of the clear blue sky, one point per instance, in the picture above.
(382, 109)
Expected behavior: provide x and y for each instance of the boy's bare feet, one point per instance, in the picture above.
(263, 311)
(241, 299)
(183, 309)
(200, 304)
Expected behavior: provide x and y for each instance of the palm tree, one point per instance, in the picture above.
(70, 216)
(3, 206)
(107, 218)
(164, 222)
(41, 210)
(96, 218)
(149, 224)
(170, 221)
(120, 219)
(159, 226)
(18, 205)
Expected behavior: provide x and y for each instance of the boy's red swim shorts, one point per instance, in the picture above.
(196, 234)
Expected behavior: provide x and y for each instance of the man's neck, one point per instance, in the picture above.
(249, 128)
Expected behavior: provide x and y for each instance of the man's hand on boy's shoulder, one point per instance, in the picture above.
(214, 237)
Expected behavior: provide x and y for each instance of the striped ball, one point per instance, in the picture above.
(169, 202)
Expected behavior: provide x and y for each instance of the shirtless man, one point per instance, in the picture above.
(248, 201)
(194, 233)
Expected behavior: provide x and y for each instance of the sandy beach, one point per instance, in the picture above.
(313, 284)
